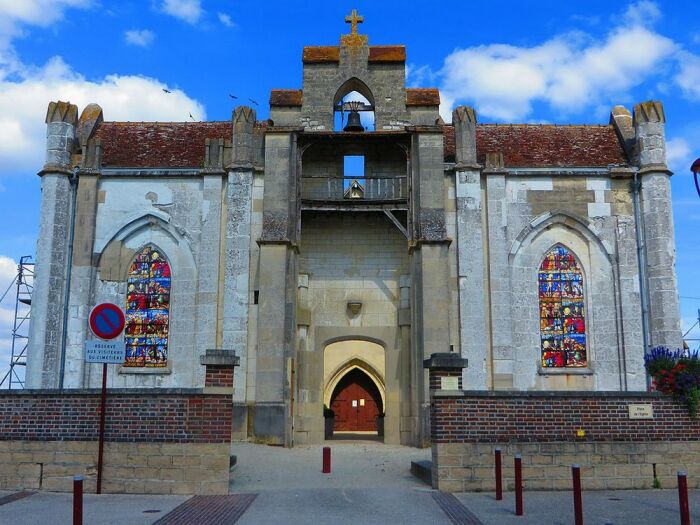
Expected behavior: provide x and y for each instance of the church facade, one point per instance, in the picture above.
(339, 243)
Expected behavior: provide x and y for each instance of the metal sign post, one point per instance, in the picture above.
(107, 322)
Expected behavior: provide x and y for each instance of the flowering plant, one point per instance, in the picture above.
(677, 373)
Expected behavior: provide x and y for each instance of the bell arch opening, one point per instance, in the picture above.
(353, 107)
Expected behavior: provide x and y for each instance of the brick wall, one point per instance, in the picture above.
(172, 416)
(615, 452)
(556, 416)
(167, 441)
(218, 376)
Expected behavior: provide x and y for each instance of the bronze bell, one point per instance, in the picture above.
(354, 123)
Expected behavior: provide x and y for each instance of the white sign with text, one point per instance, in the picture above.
(111, 352)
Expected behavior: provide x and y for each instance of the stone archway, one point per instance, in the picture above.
(356, 402)
(354, 385)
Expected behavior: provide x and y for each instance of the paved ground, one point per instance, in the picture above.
(369, 484)
(635, 507)
(50, 508)
(354, 464)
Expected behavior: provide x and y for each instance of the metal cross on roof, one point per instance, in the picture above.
(353, 19)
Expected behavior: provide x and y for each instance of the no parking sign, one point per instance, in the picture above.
(107, 321)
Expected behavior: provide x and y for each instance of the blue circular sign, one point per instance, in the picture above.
(107, 321)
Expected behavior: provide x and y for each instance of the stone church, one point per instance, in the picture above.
(339, 243)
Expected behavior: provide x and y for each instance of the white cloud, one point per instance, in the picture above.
(188, 10)
(43, 13)
(678, 155)
(226, 19)
(688, 77)
(139, 37)
(420, 76)
(642, 13)
(25, 90)
(8, 269)
(37, 12)
(569, 72)
(23, 105)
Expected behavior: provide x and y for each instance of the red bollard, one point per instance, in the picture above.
(326, 460)
(518, 485)
(499, 478)
(578, 503)
(683, 497)
(77, 500)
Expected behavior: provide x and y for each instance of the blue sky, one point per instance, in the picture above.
(546, 61)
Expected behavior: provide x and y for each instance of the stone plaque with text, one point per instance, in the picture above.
(449, 383)
(641, 411)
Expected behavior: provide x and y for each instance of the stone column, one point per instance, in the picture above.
(50, 294)
(278, 283)
(209, 269)
(657, 225)
(473, 313)
(238, 206)
(82, 270)
(429, 263)
(410, 420)
(498, 268)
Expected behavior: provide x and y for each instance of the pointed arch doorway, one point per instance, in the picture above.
(356, 402)
(354, 387)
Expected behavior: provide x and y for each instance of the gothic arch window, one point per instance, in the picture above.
(562, 319)
(147, 309)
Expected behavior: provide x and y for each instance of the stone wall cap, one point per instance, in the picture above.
(445, 360)
(66, 392)
(550, 394)
(219, 357)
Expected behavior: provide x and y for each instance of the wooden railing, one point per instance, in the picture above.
(354, 188)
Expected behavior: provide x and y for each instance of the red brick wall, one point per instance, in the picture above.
(218, 376)
(493, 417)
(171, 416)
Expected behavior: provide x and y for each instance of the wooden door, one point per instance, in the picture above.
(356, 403)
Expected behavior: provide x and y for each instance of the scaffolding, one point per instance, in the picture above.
(24, 281)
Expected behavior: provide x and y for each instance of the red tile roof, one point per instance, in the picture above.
(320, 54)
(531, 146)
(387, 54)
(158, 144)
(286, 97)
(331, 54)
(422, 97)
(181, 144)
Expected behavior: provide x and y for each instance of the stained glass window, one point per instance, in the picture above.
(147, 309)
(562, 325)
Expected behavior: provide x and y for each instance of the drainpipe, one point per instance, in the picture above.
(69, 264)
(636, 186)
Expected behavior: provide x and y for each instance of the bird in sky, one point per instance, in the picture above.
(253, 101)
(191, 116)
(232, 96)
(166, 91)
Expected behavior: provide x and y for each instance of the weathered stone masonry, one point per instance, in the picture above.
(438, 252)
